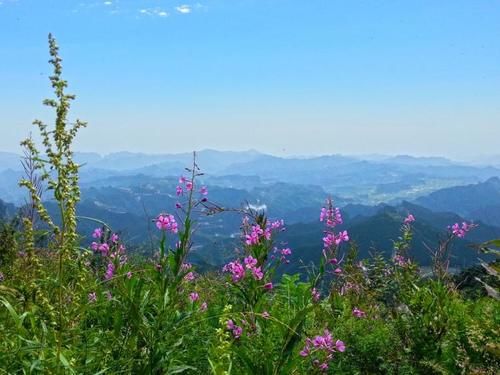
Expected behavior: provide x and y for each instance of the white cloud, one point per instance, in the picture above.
(108, 3)
(184, 9)
(154, 12)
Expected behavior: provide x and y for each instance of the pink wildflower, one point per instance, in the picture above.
(167, 223)
(186, 266)
(268, 286)
(342, 237)
(322, 347)
(315, 295)
(104, 249)
(254, 237)
(250, 262)
(358, 313)
(330, 215)
(340, 346)
(114, 238)
(237, 331)
(203, 190)
(236, 269)
(97, 233)
(110, 271)
(203, 307)
(286, 251)
(257, 273)
(409, 219)
(266, 315)
(194, 296)
(461, 230)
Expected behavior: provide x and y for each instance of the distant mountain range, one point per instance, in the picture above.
(476, 201)
(367, 180)
(128, 190)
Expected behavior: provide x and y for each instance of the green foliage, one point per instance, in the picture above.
(68, 310)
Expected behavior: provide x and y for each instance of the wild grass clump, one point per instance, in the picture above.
(68, 309)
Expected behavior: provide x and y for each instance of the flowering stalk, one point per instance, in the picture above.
(58, 161)
(331, 217)
(442, 254)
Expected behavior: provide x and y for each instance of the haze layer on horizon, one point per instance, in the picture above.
(282, 77)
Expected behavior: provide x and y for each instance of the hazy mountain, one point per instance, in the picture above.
(477, 201)
(382, 179)
(7, 210)
(211, 161)
(9, 160)
(374, 232)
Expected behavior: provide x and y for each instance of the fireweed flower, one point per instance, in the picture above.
(167, 222)
(342, 237)
(203, 307)
(315, 294)
(236, 269)
(114, 238)
(330, 215)
(186, 266)
(409, 219)
(321, 349)
(110, 271)
(97, 233)
(189, 185)
(189, 276)
(257, 273)
(194, 297)
(358, 313)
(286, 252)
(236, 330)
(266, 315)
(104, 249)
(401, 260)
(268, 286)
(129, 275)
(277, 224)
(461, 230)
(253, 238)
(250, 262)
(203, 190)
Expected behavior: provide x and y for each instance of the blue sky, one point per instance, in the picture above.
(281, 76)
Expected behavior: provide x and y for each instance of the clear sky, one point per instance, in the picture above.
(280, 76)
